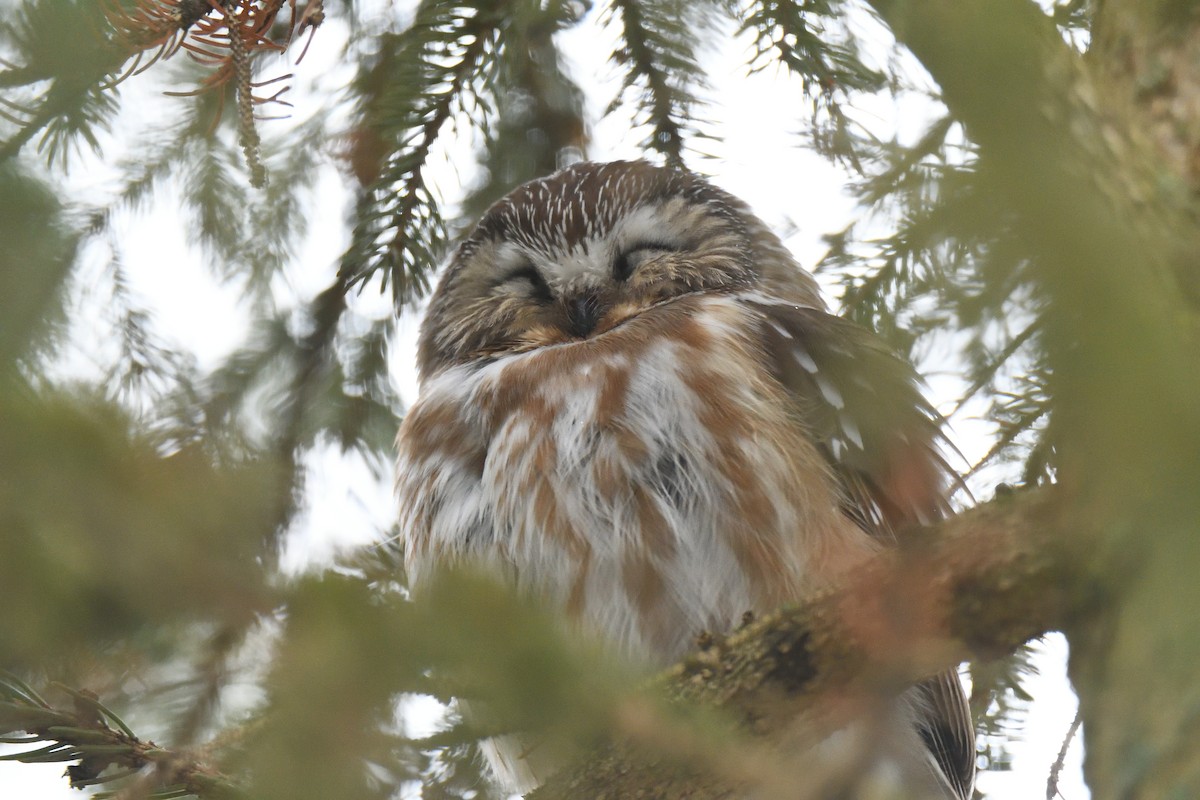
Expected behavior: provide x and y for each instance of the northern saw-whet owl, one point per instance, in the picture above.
(635, 405)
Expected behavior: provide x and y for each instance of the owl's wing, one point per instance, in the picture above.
(861, 403)
(944, 722)
(881, 439)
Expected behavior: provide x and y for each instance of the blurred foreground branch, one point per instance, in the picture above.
(1110, 227)
(973, 587)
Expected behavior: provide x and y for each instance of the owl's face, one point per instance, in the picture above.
(574, 255)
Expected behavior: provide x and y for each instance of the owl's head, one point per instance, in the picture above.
(574, 255)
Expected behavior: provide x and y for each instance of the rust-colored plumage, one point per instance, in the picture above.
(635, 404)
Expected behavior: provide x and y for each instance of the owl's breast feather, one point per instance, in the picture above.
(652, 481)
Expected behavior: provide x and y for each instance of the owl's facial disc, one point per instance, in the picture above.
(570, 257)
(580, 310)
(592, 285)
(614, 292)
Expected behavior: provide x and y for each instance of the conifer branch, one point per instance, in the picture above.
(239, 56)
(660, 57)
(104, 748)
(410, 94)
(801, 36)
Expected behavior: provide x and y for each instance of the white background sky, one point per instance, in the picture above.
(758, 119)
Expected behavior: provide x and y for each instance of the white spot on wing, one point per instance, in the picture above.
(804, 360)
(851, 430)
(830, 392)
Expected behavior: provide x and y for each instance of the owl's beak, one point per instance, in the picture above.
(583, 313)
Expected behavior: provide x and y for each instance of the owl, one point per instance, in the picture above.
(635, 406)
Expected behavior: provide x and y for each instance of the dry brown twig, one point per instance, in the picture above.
(225, 35)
